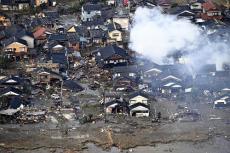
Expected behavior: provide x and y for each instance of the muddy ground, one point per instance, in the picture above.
(122, 133)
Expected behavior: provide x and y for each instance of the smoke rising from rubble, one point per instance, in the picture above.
(157, 35)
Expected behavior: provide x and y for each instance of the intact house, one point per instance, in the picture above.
(111, 56)
(139, 104)
(211, 11)
(142, 3)
(183, 12)
(73, 41)
(14, 47)
(14, 81)
(151, 74)
(88, 11)
(21, 33)
(10, 92)
(170, 85)
(58, 37)
(58, 51)
(98, 36)
(96, 23)
(60, 57)
(114, 32)
(196, 6)
(126, 71)
(14, 86)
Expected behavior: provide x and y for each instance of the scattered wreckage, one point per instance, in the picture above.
(186, 115)
(31, 116)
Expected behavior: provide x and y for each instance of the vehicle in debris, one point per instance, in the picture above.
(55, 96)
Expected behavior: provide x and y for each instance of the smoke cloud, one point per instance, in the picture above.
(157, 35)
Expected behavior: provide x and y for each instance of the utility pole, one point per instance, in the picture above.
(61, 91)
(104, 103)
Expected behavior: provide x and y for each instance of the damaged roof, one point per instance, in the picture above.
(72, 85)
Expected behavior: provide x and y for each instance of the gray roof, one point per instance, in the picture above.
(113, 26)
(92, 7)
(97, 33)
(58, 37)
(111, 50)
(7, 42)
(73, 37)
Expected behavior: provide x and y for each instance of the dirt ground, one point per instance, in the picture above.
(123, 133)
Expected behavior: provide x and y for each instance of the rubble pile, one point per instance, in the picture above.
(186, 116)
(31, 116)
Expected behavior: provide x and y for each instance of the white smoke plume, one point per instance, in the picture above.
(157, 35)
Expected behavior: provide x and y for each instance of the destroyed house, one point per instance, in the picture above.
(111, 56)
(45, 76)
(125, 83)
(10, 107)
(89, 10)
(16, 102)
(222, 101)
(122, 20)
(116, 106)
(72, 86)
